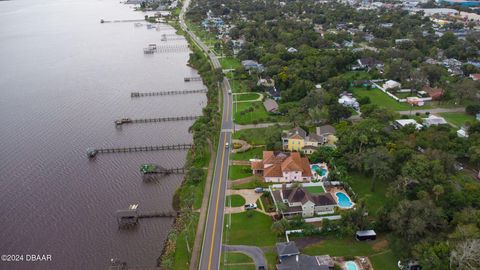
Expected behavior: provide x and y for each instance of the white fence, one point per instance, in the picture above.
(317, 219)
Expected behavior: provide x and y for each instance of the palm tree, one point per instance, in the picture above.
(437, 191)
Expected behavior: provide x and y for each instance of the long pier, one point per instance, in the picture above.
(173, 48)
(121, 21)
(154, 120)
(157, 214)
(192, 79)
(92, 152)
(166, 93)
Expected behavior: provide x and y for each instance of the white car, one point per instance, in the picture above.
(227, 145)
(250, 206)
(229, 92)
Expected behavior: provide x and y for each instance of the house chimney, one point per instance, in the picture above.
(284, 186)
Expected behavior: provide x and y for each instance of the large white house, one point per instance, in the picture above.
(281, 167)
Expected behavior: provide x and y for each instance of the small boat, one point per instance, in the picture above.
(148, 168)
(91, 152)
(123, 121)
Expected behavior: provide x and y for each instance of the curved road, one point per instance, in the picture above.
(212, 237)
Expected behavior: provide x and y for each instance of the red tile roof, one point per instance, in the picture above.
(275, 163)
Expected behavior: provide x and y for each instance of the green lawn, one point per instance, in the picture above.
(315, 190)
(182, 256)
(361, 185)
(256, 136)
(272, 259)
(251, 185)
(239, 171)
(254, 230)
(457, 118)
(236, 257)
(241, 116)
(230, 63)
(256, 152)
(381, 257)
(384, 260)
(237, 200)
(246, 96)
(238, 86)
(379, 98)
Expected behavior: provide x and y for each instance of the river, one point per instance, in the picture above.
(64, 79)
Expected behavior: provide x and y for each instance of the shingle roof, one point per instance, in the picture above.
(299, 194)
(297, 130)
(300, 262)
(327, 129)
(287, 248)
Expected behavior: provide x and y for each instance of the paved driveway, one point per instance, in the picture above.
(253, 252)
(249, 195)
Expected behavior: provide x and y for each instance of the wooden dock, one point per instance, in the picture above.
(192, 79)
(154, 120)
(166, 93)
(92, 152)
(173, 48)
(168, 214)
(121, 21)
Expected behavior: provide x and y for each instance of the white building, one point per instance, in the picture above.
(391, 84)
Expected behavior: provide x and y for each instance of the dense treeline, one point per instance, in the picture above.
(433, 209)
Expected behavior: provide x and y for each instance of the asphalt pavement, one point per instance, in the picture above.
(212, 238)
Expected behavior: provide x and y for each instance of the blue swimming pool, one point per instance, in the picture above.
(321, 171)
(351, 265)
(343, 200)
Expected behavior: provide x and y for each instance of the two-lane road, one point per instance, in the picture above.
(212, 238)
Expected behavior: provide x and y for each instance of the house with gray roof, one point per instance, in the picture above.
(291, 259)
(300, 202)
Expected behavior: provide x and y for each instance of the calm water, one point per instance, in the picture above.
(64, 78)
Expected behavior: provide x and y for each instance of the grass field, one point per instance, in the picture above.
(379, 98)
(251, 185)
(378, 251)
(237, 200)
(238, 86)
(256, 152)
(182, 255)
(254, 230)
(246, 96)
(236, 260)
(241, 116)
(256, 136)
(239, 171)
(457, 118)
(361, 185)
(230, 63)
(315, 190)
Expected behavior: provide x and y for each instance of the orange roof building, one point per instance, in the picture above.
(280, 167)
(434, 93)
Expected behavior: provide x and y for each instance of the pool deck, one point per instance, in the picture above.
(334, 190)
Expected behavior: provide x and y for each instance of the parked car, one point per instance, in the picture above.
(250, 206)
(229, 92)
(259, 190)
